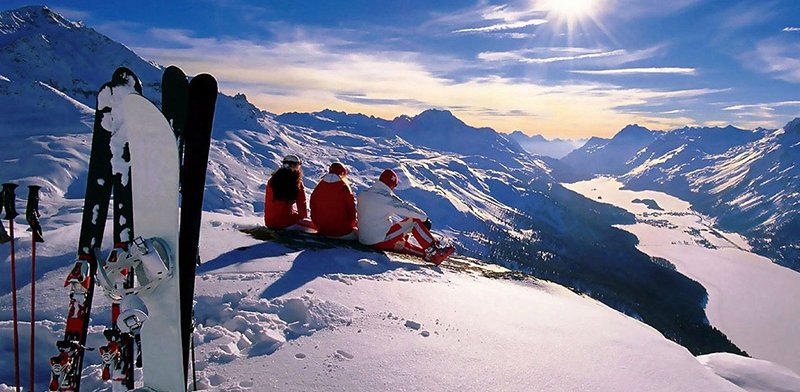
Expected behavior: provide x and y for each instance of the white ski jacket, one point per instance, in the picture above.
(376, 205)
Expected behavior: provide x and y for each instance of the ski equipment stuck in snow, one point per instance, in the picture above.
(9, 198)
(109, 169)
(197, 141)
(32, 217)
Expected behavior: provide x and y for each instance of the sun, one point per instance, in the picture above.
(570, 9)
(573, 18)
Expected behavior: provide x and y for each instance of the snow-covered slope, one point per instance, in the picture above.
(49, 66)
(609, 156)
(538, 145)
(302, 315)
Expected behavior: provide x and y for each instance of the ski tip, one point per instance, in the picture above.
(207, 81)
(174, 70)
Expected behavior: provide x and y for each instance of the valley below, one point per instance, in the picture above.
(750, 299)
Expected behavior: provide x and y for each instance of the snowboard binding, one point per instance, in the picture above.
(146, 258)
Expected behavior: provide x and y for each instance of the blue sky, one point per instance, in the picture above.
(561, 68)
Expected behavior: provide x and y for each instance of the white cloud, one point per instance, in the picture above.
(775, 57)
(791, 29)
(545, 60)
(311, 74)
(562, 54)
(766, 106)
(503, 26)
(636, 71)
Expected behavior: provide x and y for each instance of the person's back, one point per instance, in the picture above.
(333, 208)
(285, 197)
(378, 204)
(375, 207)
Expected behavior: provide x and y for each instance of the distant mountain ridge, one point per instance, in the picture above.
(539, 145)
(747, 179)
(434, 128)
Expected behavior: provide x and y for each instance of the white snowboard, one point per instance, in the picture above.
(154, 175)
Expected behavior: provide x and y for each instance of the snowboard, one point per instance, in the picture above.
(155, 173)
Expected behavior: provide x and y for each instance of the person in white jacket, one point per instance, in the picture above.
(378, 204)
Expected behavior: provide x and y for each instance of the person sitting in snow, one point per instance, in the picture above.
(333, 206)
(285, 199)
(376, 207)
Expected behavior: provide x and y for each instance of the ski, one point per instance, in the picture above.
(109, 170)
(197, 141)
(174, 104)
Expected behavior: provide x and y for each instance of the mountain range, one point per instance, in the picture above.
(748, 180)
(539, 145)
(481, 188)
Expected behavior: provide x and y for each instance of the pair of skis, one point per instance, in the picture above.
(7, 202)
(149, 276)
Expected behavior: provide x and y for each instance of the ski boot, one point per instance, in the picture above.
(437, 252)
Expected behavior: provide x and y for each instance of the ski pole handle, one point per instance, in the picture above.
(9, 197)
(32, 212)
(4, 237)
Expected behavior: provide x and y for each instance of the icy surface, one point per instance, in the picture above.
(751, 299)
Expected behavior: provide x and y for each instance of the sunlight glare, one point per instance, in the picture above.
(571, 8)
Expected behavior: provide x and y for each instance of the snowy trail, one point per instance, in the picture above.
(751, 299)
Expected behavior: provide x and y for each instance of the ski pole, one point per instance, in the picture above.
(32, 216)
(11, 212)
(194, 364)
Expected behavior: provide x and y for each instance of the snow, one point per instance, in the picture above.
(749, 373)
(270, 317)
(751, 299)
(339, 319)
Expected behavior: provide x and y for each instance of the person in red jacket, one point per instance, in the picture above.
(285, 199)
(333, 206)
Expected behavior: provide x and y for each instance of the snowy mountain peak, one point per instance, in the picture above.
(793, 126)
(633, 131)
(436, 117)
(33, 17)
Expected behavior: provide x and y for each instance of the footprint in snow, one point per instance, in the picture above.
(344, 354)
(413, 325)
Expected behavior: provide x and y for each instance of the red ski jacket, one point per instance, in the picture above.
(280, 214)
(333, 206)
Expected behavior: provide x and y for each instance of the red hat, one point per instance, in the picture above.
(389, 177)
(338, 169)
